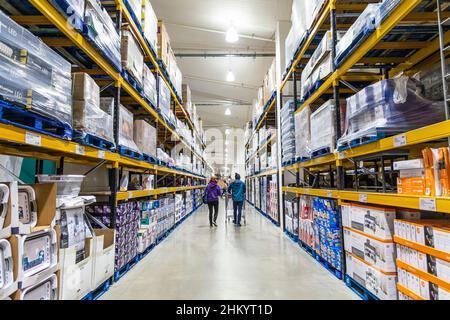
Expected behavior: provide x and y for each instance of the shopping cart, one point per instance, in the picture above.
(229, 212)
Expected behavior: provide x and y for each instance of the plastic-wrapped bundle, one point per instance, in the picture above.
(73, 10)
(132, 56)
(136, 8)
(385, 9)
(126, 130)
(33, 75)
(323, 127)
(73, 232)
(389, 107)
(150, 88)
(145, 137)
(288, 131)
(88, 117)
(363, 26)
(150, 24)
(303, 133)
(164, 96)
(289, 47)
(322, 71)
(102, 31)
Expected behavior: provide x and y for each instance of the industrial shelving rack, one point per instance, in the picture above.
(45, 21)
(414, 36)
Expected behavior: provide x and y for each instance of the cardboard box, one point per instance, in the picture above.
(371, 220)
(132, 56)
(409, 164)
(432, 233)
(84, 88)
(374, 251)
(46, 289)
(422, 287)
(145, 137)
(164, 48)
(29, 266)
(149, 24)
(45, 204)
(11, 216)
(75, 277)
(103, 256)
(382, 285)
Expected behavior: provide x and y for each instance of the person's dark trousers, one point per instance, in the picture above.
(237, 210)
(213, 206)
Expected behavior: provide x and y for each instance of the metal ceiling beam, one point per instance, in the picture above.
(225, 55)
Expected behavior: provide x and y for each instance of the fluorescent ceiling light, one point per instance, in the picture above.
(227, 131)
(232, 35)
(228, 112)
(226, 143)
(230, 76)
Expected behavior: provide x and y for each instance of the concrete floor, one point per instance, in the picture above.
(256, 261)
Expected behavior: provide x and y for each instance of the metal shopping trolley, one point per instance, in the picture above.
(229, 212)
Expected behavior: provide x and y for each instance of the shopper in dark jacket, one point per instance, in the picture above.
(213, 193)
(237, 190)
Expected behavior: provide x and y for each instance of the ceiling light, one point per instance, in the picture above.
(226, 143)
(228, 112)
(227, 131)
(226, 150)
(232, 35)
(230, 76)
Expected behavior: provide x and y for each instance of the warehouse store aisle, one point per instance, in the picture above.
(254, 262)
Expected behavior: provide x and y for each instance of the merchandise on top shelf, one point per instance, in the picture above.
(323, 128)
(88, 117)
(4, 203)
(132, 56)
(145, 137)
(164, 48)
(32, 75)
(303, 133)
(389, 107)
(363, 26)
(288, 131)
(136, 9)
(150, 24)
(102, 31)
(149, 86)
(126, 131)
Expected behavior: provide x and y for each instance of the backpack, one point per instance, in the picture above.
(205, 196)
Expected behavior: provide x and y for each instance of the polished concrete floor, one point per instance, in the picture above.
(253, 262)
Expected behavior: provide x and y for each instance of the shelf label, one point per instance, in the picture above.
(101, 154)
(330, 194)
(400, 140)
(363, 198)
(427, 204)
(341, 155)
(33, 139)
(80, 150)
(130, 195)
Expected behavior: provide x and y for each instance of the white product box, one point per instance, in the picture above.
(374, 221)
(46, 289)
(75, 278)
(375, 252)
(408, 164)
(422, 287)
(9, 216)
(323, 127)
(35, 256)
(7, 283)
(380, 284)
(103, 256)
(412, 173)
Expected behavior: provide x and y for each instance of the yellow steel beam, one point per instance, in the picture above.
(364, 77)
(408, 292)
(58, 42)
(401, 45)
(126, 195)
(382, 60)
(420, 56)
(31, 20)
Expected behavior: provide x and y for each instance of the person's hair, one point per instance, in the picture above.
(237, 176)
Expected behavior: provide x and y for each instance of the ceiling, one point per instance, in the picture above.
(199, 26)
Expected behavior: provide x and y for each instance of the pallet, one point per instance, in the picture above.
(90, 38)
(307, 248)
(76, 21)
(124, 269)
(150, 159)
(302, 159)
(316, 86)
(87, 297)
(289, 163)
(133, 16)
(337, 273)
(20, 117)
(133, 82)
(291, 236)
(124, 151)
(90, 140)
(320, 153)
(364, 140)
(102, 289)
(353, 46)
(361, 291)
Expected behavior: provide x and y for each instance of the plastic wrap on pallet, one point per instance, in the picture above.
(33, 75)
(164, 96)
(364, 24)
(389, 107)
(431, 79)
(132, 56)
(385, 9)
(145, 137)
(88, 117)
(149, 84)
(303, 133)
(126, 130)
(136, 8)
(289, 47)
(288, 131)
(149, 24)
(323, 127)
(321, 72)
(102, 31)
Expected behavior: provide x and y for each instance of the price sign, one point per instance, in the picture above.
(363, 198)
(400, 140)
(80, 150)
(428, 204)
(33, 139)
(101, 154)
